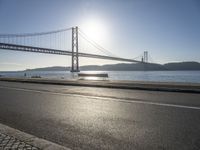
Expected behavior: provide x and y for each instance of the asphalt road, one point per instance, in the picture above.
(100, 118)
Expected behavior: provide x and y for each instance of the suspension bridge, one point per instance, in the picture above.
(57, 42)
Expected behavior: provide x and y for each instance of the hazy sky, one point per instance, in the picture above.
(168, 29)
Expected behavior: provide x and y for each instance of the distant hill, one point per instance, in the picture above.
(182, 66)
(129, 67)
(125, 67)
(55, 68)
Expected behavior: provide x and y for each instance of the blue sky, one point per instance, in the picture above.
(168, 29)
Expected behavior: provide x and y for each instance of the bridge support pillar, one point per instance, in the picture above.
(75, 59)
(145, 58)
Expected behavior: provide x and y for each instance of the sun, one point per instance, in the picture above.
(95, 30)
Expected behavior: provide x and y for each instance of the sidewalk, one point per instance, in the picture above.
(10, 142)
(13, 139)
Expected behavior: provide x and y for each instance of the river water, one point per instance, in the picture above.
(159, 76)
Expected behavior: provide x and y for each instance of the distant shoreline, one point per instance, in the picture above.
(130, 67)
(178, 66)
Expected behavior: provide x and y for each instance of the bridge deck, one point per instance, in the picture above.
(24, 48)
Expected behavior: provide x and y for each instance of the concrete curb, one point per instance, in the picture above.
(30, 139)
(152, 86)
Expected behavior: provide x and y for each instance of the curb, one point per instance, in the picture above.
(22, 138)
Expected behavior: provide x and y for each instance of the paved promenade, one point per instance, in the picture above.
(13, 139)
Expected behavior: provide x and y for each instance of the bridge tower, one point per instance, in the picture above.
(75, 59)
(145, 57)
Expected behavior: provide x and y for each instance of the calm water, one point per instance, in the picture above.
(161, 76)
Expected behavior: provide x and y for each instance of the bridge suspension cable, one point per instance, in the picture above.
(57, 39)
(12, 38)
(33, 34)
(95, 44)
(138, 57)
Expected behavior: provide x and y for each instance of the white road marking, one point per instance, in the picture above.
(137, 101)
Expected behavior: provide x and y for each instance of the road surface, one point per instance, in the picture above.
(101, 118)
